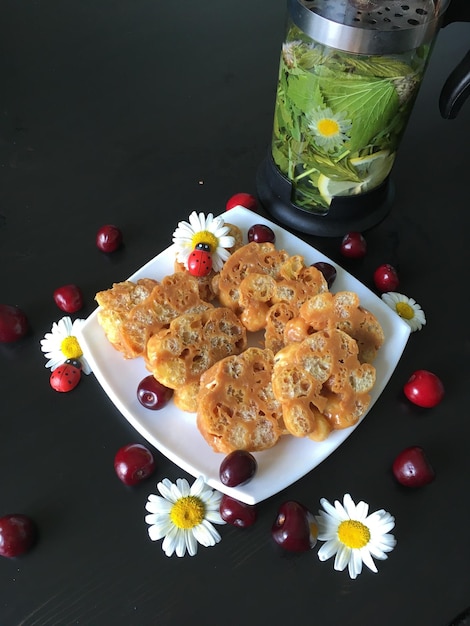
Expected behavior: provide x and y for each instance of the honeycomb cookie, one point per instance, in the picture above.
(116, 304)
(276, 320)
(237, 409)
(206, 290)
(321, 384)
(130, 329)
(341, 310)
(257, 276)
(178, 355)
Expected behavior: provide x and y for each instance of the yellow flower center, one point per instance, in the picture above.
(205, 236)
(187, 512)
(70, 348)
(405, 311)
(353, 534)
(328, 127)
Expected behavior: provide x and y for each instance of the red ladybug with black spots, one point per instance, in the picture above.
(200, 260)
(66, 376)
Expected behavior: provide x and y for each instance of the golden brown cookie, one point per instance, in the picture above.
(321, 384)
(258, 275)
(236, 406)
(178, 355)
(341, 310)
(129, 328)
(116, 304)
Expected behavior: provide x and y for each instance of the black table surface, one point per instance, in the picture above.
(137, 113)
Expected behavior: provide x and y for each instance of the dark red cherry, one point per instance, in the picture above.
(353, 245)
(328, 271)
(412, 467)
(68, 298)
(294, 528)
(237, 513)
(386, 278)
(18, 534)
(134, 463)
(13, 323)
(109, 238)
(245, 200)
(260, 233)
(152, 394)
(237, 468)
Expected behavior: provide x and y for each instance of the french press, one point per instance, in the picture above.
(349, 74)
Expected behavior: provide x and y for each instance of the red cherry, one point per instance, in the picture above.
(152, 394)
(260, 233)
(237, 513)
(353, 245)
(386, 278)
(68, 298)
(294, 528)
(18, 534)
(134, 463)
(245, 200)
(237, 468)
(108, 238)
(13, 323)
(424, 389)
(412, 468)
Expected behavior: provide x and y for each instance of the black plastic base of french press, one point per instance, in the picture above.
(346, 214)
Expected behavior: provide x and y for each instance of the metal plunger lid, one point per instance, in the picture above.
(369, 26)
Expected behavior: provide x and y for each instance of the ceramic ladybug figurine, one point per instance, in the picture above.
(200, 260)
(67, 376)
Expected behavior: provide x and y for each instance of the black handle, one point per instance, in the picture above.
(456, 89)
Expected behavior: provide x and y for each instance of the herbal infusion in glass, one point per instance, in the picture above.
(339, 117)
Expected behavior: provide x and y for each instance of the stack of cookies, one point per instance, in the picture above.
(259, 351)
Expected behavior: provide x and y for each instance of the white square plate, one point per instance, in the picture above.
(174, 433)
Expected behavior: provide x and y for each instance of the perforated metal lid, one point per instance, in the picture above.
(369, 26)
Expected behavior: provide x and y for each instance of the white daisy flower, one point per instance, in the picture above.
(407, 308)
(353, 535)
(183, 516)
(329, 129)
(62, 344)
(207, 230)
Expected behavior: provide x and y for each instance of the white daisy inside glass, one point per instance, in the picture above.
(202, 229)
(353, 536)
(407, 308)
(183, 516)
(62, 344)
(329, 129)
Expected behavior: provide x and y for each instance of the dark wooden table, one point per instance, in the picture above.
(137, 113)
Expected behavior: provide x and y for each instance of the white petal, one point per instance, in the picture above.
(206, 534)
(368, 561)
(169, 543)
(342, 558)
(355, 564)
(165, 488)
(328, 549)
(157, 504)
(226, 241)
(198, 488)
(349, 506)
(191, 543)
(180, 543)
(214, 517)
(181, 488)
